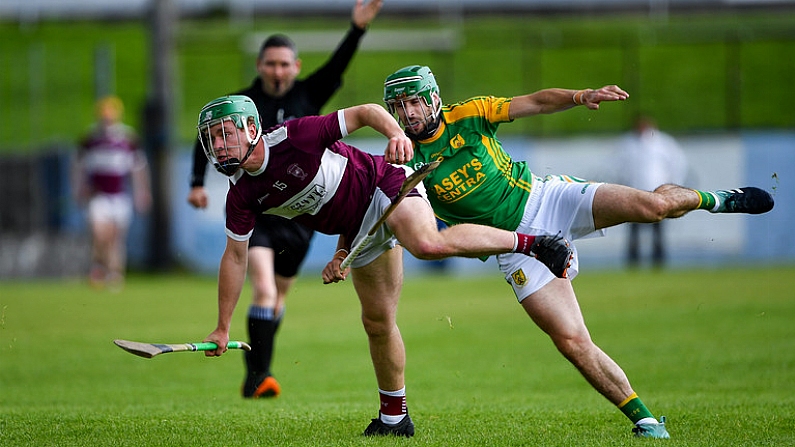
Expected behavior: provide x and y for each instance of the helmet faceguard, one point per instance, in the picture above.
(218, 126)
(412, 83)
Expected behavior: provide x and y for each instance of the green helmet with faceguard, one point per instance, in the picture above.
(414, 81)
(235, 110)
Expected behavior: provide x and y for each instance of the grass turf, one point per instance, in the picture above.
(713, 350)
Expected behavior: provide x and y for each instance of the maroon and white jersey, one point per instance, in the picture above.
(311, 177)
(108, 155)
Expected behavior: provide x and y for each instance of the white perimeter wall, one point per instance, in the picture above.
(698, 238)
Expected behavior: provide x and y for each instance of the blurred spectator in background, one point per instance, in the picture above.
(111, 180)
(647, 159)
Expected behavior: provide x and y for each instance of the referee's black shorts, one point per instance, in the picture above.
(288, 240)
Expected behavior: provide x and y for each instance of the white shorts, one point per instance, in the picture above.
(383, 239)
(557, 204)
(113, 208)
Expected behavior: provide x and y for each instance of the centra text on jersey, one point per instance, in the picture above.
(460, 182)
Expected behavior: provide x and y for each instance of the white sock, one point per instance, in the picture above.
(397, 393)
(392, 419)
(717, 202)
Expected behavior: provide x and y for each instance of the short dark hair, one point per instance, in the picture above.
(278, 41)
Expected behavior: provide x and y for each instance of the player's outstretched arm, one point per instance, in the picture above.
(399, 148)
(554, 100)
(231, 277)
(591, 98)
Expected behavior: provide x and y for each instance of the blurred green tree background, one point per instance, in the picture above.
(695, 73)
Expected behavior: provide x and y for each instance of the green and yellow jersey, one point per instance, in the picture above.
(477, 181)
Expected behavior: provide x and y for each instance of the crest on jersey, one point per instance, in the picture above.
(519, 278)
(457, 142)
(296, 171)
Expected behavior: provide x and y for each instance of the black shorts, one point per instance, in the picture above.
(288, 240)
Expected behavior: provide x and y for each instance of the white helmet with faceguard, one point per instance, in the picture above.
(218, 124)
(411, 83)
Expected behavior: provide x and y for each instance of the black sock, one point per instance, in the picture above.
(262, 335)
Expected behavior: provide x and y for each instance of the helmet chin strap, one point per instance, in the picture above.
(431, 122)
(230, 166)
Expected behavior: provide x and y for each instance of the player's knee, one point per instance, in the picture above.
(265, 293)
(573, 347)
(656, 208)
(377, 327)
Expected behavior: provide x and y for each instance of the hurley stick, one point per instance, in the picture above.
(149, 350)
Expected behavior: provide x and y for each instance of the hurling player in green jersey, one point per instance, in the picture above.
(478, 182)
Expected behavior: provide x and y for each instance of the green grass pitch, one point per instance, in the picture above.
(711, 349)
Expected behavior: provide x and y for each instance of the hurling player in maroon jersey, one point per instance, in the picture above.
(301, 170)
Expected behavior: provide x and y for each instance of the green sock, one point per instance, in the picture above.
(633, 408)
(707, 200)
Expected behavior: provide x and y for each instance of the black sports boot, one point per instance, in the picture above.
(749, 200)
(379, 428)
(554, 252)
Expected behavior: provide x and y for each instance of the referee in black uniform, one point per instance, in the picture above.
(278, 246)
